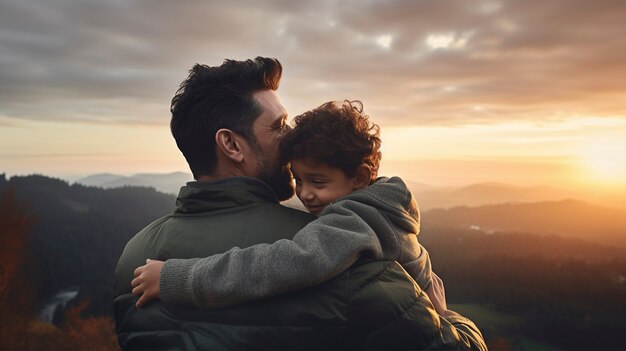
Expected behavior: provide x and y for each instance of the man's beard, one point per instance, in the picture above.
(279, 179)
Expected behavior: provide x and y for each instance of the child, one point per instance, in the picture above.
(334, 154)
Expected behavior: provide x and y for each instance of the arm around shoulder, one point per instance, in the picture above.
(318, 252)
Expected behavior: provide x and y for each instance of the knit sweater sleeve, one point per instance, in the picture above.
(318, 252)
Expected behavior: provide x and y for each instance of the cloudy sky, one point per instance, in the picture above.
(465, 91)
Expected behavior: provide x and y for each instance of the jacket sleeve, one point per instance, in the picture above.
(460, 333)
(389, 311)
(321, 250)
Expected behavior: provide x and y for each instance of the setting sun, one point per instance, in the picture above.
(605, 160)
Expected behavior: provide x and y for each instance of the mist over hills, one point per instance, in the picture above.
(169, 183)
(427, 196)
(566, 218)
(490, 207)
(485, 194)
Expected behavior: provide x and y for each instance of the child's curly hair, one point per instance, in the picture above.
(337, 134)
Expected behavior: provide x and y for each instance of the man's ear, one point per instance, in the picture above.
(362, 177)
(229, 144)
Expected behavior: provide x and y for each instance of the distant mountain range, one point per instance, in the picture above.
(485, 194)
(169, 183)
(428, 197)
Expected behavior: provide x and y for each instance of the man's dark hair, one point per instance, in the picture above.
(337, 134)
(212, 98)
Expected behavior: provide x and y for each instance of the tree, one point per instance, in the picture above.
(16, 286)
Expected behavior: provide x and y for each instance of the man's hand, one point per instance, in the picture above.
(437, 294)
(146, 282)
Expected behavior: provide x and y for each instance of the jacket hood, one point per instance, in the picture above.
(393, 199)
(222, 194)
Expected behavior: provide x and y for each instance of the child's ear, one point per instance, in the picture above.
(362, 177)
(229, 144)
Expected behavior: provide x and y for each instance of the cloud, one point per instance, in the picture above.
(411, 62)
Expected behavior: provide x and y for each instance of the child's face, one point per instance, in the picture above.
(318, 185)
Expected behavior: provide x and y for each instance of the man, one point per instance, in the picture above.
(227, 121)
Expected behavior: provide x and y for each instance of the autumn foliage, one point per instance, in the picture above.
(97, 332)
(20, 328)
(15, 285)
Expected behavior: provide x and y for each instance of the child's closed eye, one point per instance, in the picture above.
(318, 182)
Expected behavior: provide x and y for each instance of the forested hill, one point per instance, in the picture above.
(80, 232)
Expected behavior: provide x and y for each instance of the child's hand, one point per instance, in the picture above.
(146, 282)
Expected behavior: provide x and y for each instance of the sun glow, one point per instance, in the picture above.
(605, 160)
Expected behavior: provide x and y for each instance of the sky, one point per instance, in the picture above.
(524, 92)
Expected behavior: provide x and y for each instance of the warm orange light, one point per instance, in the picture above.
(605, 160)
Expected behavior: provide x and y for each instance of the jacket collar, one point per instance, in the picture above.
(222, 194)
